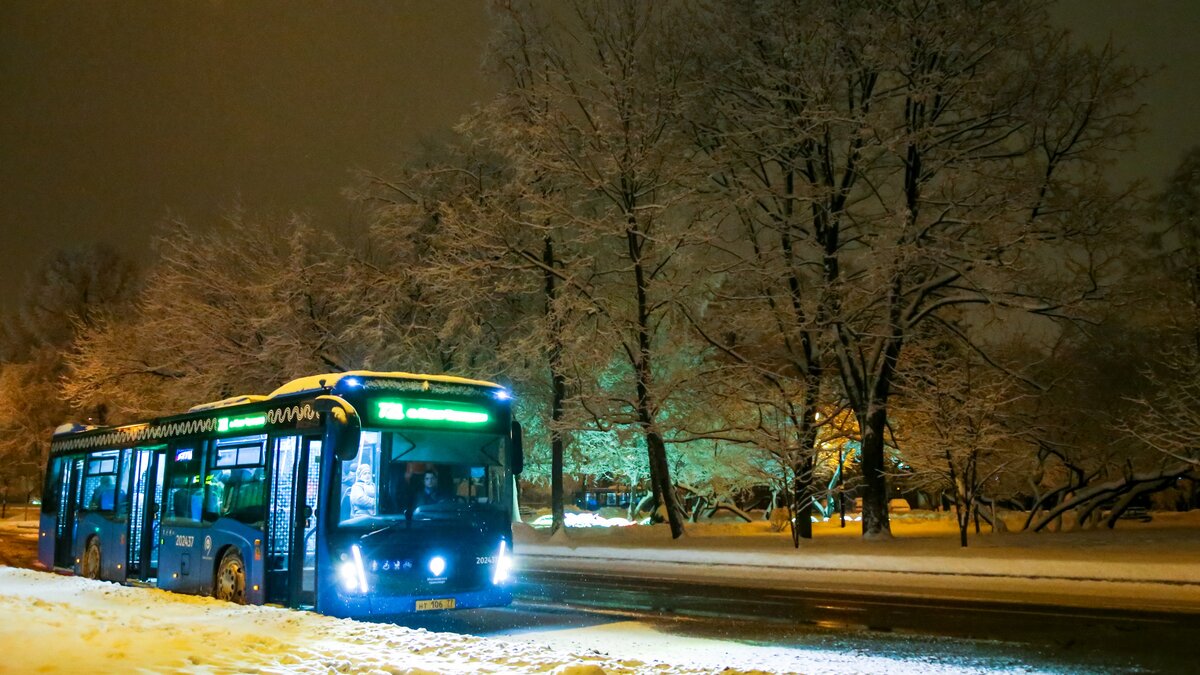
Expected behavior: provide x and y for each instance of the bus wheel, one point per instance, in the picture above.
(230, 583)
(90, 565)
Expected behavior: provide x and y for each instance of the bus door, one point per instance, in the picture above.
(145, 511)
(289, 567)
(64, 535)
(157, 507)
(304, 571)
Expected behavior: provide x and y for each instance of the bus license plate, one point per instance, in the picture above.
(440, 603)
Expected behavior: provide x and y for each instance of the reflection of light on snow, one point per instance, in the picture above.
(825, 519)
(572, 519)
(647, 643)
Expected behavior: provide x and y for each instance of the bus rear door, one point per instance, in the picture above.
(69, 505)
(64, 534)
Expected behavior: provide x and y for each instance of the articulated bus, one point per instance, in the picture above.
(352, 494)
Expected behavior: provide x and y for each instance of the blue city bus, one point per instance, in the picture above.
(352, 494)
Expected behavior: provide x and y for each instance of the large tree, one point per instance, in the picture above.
(919, 157)
(68, 294)
(1166, 312)
(599, 123)
(227, 310)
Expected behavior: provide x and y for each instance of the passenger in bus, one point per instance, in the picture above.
(431, 493)
(105, 495)
(244, 495)
(362, 493)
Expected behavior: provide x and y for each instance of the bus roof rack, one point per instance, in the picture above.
(73, 428)
(330, 380)
(227, 402)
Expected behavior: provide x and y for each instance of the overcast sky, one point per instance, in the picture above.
(115, 114)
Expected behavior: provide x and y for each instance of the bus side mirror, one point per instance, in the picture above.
(516, 449)
(342, 430)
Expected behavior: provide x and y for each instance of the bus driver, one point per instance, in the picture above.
(431, 494)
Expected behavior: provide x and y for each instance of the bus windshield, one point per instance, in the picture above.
(419, 475)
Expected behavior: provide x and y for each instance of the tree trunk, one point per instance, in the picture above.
(656, 450)
(558, 389)
(875, 496)
(802, 467)
(972, 487)
(959, 516)
(873, 400)
(660, 476)
(802, 494)
(802, 471)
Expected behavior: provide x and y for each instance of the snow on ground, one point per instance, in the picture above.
(61, 624)
(53, 623)
(68, 624)
(1137, 565)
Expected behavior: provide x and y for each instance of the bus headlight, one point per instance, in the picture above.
(504, 564)
(352, 573)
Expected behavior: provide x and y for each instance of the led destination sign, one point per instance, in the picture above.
(244, 422)
(400, 411)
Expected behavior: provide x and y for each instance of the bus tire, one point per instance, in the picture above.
(89, 566)
(230, 582)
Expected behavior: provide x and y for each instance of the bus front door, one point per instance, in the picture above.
(304, 559)
(289, 574)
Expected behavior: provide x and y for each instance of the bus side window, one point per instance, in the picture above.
(121, 497)
(184, 491)
(53, 489)
(235, 493)
(215, 486)
(234, 486)
(103, 493)
(100, 482)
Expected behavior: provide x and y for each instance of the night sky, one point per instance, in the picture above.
(115, 114)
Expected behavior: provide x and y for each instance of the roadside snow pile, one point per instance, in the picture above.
(68, 624)
(585, 519)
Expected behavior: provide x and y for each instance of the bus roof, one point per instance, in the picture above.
(199, 418)
(315, 382)
(330, 381)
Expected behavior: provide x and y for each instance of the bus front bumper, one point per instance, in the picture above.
(377, 606)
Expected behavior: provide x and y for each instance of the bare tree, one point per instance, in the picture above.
(932, 155)
(1166, 312)
(606, 137)
(226, 311)
(72, 289)
(67, 295)
(959, 427)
